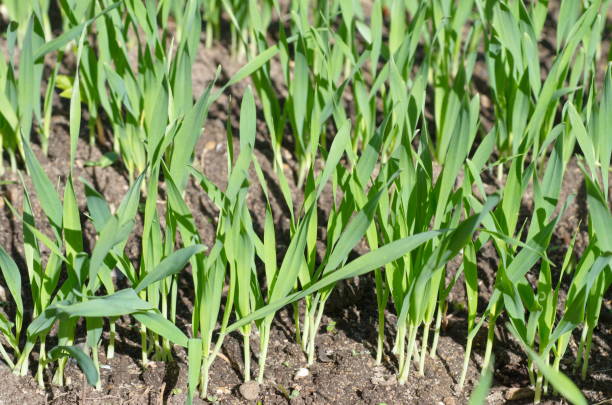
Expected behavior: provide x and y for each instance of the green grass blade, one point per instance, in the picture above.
(364, 264)
(84, 361)
(155, 322)
(49, 198)
(194, 358)
(168, 266)
(12, 278)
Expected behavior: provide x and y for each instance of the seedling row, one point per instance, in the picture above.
(425, 123)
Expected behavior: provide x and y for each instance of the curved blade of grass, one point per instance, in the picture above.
(12, 278)
(49, 198)
(73, 236)
(123, 302)
(364, 264)
(111, 235)
(84, 361)
(71, 34)
(129, 205)
(557, 379)
(155, 322)
(97, 206)
(170, 265)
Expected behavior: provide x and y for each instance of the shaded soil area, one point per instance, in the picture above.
(345, 371)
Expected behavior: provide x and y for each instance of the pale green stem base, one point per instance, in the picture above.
(586, 354)
(41, 365)
(434, 344)
(489, 347)
(466, 363)
(21, 367)
(264, 339)
(405, 370)
(96, 361)
(313, 333)
(398, 347)
(110, 351)
(424, 349)
(538, 389)
(143, 344)
(247, 356)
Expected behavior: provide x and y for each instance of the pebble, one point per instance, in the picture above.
(249, 390)
(496, 397)
(449, 401)
(301, 373)
(12, 194)
(323, 355)
(210, 145)
(518, 393)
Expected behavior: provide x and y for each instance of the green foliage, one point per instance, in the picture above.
(399, 117)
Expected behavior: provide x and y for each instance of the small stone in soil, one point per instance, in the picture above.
(449, 401)
(517, 393)
(210, 145)
(301, 373)
(323, 355)
(496, 397)
(249, 390)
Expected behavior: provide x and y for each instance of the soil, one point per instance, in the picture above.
(345, 371)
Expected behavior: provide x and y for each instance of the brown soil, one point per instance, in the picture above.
(345, 371)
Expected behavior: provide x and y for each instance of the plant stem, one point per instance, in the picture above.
(165, 346)
(58, 377)
(586, 353)
(408, 359)
(313, 332)
(538, 388)
(434, 344)
(21, 367)
(204, 378)
(530, 372)
(143, 344)
(204, 368)
(263, 350)
(13, 160)
(247, 356)
(296, 321)
(466, 362)
(209, 35)
(41, 364)
(91, 125)
(208, 361)
(580, 354)
(561, 347)
(381, 302)
(490, 341)
(398, 347)
(173, 298)
(424, 349)
(110, 351)
(308, 316)
(96, 361)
